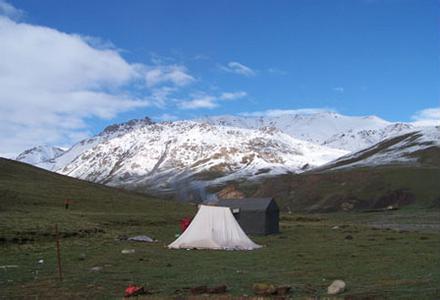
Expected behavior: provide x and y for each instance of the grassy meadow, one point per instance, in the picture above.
(398, 261)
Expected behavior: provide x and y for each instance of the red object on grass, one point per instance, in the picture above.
(184, 223)
(133, 290)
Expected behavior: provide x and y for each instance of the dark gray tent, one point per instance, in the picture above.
(258, 216)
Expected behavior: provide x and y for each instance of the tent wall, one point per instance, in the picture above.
(252, 222)
(256, 216)
(272, 222)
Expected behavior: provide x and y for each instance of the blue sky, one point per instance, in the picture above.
(365, 57)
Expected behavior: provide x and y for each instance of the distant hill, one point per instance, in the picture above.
(353, 189)
(400, 171)
(417, 148)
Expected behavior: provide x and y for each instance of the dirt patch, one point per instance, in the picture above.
(230, 192)
(24, 237)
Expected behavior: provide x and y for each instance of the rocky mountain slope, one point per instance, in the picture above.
(171, 156)
(403, 170)
(325, 128)
(414, 148)
(143, 155)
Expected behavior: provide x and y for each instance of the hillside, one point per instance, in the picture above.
(353, 189)
(29, 191)
(400, 171)
(417, 148)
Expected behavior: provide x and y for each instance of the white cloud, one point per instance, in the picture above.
(238, 68)
(427, 117)
(233, 96)
(201, 101)
(161, 96)
(280, 112)
(338, 89)
(10, 11)
(175, 74)
(53, 83)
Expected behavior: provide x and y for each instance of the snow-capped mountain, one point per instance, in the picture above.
(417, 147)
(79, 148)
(323, 128)
(160, 155)
(39, 155)
(141, 154)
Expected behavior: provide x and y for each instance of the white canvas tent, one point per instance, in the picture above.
(214, 227)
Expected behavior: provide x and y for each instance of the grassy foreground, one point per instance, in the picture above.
(375, 262)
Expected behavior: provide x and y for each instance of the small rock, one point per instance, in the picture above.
(128, 251)
(335, 227)
(337, 287)
(82, 256)
(349, 237)
(95, 269)
(41, 261)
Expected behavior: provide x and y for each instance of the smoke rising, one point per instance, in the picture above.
(190, 190)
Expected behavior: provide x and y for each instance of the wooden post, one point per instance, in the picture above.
(57, 237)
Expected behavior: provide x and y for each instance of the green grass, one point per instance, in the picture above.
(353, 189)
(324, 189)
(308, 254)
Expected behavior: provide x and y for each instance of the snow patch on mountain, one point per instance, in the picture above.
(143, 155)
(157, 155)
(324, 128)
(40, 155)
(396, 150)
(87, 144)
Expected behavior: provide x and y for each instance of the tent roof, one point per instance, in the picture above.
(246, 203)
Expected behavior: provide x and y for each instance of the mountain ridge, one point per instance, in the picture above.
(351, 133)
(147, 156)
(166, 151)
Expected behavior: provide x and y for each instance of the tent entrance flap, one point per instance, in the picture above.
(214, 227)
